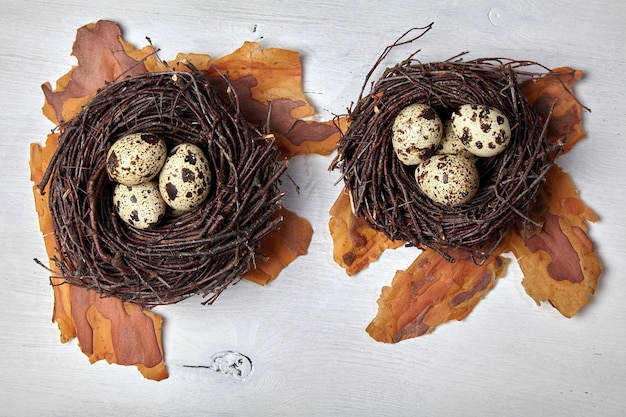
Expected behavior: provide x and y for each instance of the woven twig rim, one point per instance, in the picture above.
(383, 191)
(198, 253)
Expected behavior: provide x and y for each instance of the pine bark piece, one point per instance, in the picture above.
(106, 328)
(281, 247)
(432, 291)
(560, 263)
(120, 333)
(355, 243)
(553, 93)
(101, 57)
(268, 84)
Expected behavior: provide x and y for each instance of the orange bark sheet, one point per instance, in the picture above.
(267, 81)
(430, 292)
(559, 261)
(356, 244)
(106, 328)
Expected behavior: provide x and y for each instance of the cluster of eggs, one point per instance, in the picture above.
(445, 154)
(150, 182)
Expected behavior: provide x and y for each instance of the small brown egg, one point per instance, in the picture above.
(139, 205)
(450, 180)
(484, 131)
(451, 144)
(416, 131)
(185, 179)
(136, 158)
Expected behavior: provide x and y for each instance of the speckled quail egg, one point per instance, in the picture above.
(136, 158)
(185, 179)
(416, 133)
(450, 180)
(139, 205)
(451, 144)
(485, 131)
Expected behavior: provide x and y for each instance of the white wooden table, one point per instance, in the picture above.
(305, 331)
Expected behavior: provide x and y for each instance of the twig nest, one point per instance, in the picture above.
(482, 175)
(109, 242)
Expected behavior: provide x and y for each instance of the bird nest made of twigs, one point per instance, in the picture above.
(198, 253)
(384, 192)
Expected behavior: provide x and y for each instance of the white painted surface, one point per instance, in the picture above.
(305, 332)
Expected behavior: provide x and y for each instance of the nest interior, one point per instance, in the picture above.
(384, 192)
(198, 253)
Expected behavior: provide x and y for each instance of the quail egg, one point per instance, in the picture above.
(136, 158)
(185, 179)
(485, 131)
(141, 205)
(451, 144)
(450, 180)
(416, 133)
